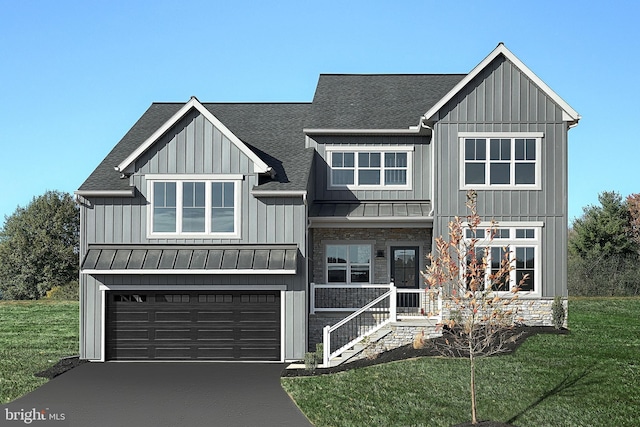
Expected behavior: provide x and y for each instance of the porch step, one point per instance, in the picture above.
(429, 326)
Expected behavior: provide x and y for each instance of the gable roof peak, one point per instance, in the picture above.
(569, 114)
(126, 166)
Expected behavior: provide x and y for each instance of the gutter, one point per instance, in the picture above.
(280, 193)
(105, 193)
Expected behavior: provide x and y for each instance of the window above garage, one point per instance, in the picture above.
(194, 206)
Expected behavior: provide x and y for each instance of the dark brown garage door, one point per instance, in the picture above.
(193, 325)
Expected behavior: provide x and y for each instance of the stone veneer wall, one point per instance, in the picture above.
(531, 312)
(382, 238)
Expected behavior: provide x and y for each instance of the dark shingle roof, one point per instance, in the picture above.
(376, 101)
(272, 131)
(104, 177)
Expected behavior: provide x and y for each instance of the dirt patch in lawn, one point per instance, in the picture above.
(519, 335)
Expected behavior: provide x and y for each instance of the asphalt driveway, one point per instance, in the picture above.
(160, 394)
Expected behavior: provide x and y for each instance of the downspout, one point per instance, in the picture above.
(433, 164)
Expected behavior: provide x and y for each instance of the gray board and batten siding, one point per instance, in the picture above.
(503, 99)
(421, 178)
(195, 146)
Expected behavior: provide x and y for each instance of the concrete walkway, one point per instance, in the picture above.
(120, 394)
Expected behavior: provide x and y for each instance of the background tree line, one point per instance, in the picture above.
(39, 246)
(604, 248)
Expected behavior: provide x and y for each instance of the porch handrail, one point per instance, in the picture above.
(392, 317)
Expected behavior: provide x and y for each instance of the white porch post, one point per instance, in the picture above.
(326, 345)
(393, 303)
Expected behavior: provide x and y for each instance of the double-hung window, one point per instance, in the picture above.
(501, 160)
(520, 244)
(369, 167)
(194, 206)
(348, 263)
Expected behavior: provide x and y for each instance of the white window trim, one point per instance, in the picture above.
(538, 136)
(370, 149)
(511, 243)
(348, 283)
(207, 179)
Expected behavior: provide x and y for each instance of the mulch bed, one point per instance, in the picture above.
(520, 334)
(65, 364)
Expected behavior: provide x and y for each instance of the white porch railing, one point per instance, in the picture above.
(359, 324)
(386, 308)
(340, 297)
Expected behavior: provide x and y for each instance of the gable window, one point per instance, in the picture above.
(348, 263)
(194, 206)
(369, 167)
(521, 243)
(499, 160)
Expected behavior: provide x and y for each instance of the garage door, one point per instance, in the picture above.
(193, 325)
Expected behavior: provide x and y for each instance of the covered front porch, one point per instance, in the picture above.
(347, 328)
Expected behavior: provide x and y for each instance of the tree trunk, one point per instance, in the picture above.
(472, 363)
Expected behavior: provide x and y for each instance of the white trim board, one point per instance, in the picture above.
(568, 113)
(202, 271)
(126, 165)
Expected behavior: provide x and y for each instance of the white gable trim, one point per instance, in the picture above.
(568, 113)
(127, 164)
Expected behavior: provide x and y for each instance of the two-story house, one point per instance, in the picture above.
(239, 231)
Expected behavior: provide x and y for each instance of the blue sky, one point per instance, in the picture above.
(76, 75)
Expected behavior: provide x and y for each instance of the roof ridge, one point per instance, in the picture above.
(392, 74)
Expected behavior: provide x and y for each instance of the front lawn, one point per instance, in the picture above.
(33, 336)
(590, 377)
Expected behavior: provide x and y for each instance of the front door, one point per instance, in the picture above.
(405, 274)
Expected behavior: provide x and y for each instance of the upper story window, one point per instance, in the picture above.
(501, 160)
(369, 167)
(194, 206)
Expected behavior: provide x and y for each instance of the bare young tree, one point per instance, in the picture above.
(475, 290)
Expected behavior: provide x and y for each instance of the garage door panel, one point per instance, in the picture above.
(194, 326)
(173, 316)
(131, 316)
(131, 334)
(215, 316)
(172, 334)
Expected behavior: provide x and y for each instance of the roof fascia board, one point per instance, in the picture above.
(278, 193)
(105, 193)
(328, 131)
(372, 222)
(215, 287)
(186, 272)
(126, 165)
(569, 114)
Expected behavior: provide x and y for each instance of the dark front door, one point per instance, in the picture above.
(405, 274)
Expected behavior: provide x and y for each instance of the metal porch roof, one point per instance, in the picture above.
(190, 259)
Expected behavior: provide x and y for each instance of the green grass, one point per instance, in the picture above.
(590, 377)
(33, 336)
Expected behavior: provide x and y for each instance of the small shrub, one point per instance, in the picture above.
(310, 361)
(557, 312)
(68, 292)
(320, 351)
